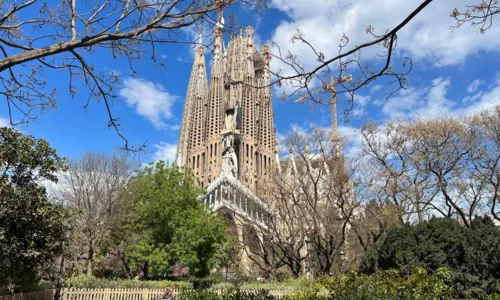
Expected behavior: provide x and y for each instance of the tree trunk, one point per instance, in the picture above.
(126, 266)
(295, 268)
(90, 261)
(145, 270)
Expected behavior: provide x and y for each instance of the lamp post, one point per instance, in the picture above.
(57, 295)
(342, 260)
(309, 244)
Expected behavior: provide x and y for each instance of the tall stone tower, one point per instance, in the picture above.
(227, 126)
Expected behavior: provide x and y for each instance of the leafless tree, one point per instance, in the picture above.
(91, 186)
(438, 166)
(39, 37)
(477, 15)
(313, 199)
(376, 219)
(486, 158)
(442, 148)
(389, 175)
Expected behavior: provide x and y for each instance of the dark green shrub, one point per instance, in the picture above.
(470, 253)
(206, 282)
(392, 284)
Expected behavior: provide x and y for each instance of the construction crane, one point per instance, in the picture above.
(333, 105)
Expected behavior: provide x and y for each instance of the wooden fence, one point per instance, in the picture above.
(40, 295)
(132, 294)
(110, 294)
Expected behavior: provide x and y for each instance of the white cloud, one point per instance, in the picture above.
(149, 100)
(376, 88)
(4, 122)
(353, 136)
(55, 189)
(435, 102)
(165, 152)
(427, 37)
(474, 85)
(421, 103)
(472, 98)
(360, 103)
(402, 102)
(487, 100)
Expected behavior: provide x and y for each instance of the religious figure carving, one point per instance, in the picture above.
(229, 121)
(230, 163)
(228, 141)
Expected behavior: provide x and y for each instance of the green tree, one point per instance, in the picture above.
(170, 224)
(471, 253)
(31, 226)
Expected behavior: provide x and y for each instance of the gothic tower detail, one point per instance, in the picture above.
(227, 125)
(192, 126)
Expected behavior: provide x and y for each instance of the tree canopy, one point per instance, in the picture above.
(31, 226)
(471, 253)
(170, 224)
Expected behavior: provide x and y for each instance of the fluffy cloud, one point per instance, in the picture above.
(149, 100)
(486, 99)
(165, 152)
(352, 135)
(4, 122)
(55, 189)
(474, 85)
(427, 37)
(435, 102)
(360, 103)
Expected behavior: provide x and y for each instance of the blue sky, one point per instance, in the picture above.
(455, 74)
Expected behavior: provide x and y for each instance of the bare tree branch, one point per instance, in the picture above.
(36, 35)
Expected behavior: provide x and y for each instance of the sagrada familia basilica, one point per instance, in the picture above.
(227, 136)
(227, 133)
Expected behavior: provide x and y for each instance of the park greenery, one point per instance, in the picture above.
(31, 226)
(426, 192)
(153, 232)
(154, 218)
(166, 224)
(470, 253)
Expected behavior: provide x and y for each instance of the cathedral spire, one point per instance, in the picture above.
(215, 103)
(227, 125)
(197, 133)
(195, 89)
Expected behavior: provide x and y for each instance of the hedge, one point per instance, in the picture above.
(90, 282)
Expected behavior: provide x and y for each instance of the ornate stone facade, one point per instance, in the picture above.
(227, 126)
(227, 134)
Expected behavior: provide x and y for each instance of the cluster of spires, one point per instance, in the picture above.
(233, 111)
(236, 103)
